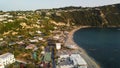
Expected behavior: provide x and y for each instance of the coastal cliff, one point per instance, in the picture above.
(102, 16)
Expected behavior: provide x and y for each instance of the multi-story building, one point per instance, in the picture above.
(58, 46)
(6, 59)
(71, 61)
(1, 66)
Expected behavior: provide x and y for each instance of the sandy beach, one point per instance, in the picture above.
(90, 61)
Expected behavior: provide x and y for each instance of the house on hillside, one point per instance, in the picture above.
(31, 46)
(33, 41)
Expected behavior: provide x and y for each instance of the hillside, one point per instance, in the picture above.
(25, 33)
(97, 16)
(47, 19)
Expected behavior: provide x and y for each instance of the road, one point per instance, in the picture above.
(90, 62)
(53, 60)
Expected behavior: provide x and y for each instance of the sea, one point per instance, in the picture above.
(102, 44)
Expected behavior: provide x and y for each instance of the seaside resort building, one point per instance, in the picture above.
(6, 59)
(71, 61)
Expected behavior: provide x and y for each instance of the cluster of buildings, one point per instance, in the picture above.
(67, 57)
(6, 59)
(71, 61)
(6, 18)
(64, 61)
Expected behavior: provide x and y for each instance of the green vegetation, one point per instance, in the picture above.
(24, 25)
(91, 16)
(47, 57)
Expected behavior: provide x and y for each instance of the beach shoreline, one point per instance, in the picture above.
(89, 60)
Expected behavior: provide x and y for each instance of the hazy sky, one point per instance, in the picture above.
(40, 4)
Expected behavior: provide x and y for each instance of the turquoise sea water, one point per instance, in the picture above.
(101, 44)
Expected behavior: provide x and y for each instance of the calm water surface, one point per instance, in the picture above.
(101, 44)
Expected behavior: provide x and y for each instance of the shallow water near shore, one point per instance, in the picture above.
(101, 44)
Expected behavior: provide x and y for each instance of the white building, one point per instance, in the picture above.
(71, 61)
(2, 66)
(56, 37)
(39, 32)
(58, 46)
(6, 59)
(10, 20)
(40, 38)
(33, 41)
(78, 60)
(1, 39)
(72, 46)
(2, 19)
